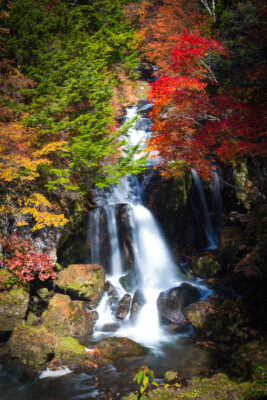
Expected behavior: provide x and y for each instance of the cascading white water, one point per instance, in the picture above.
(211, 235)
(153, 262)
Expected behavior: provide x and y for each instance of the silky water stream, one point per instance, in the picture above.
(125, 238)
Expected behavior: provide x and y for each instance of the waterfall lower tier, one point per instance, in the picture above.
(132, 228)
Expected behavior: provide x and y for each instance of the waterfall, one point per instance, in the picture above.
(126, 239)
(153, 265)
(212, 236)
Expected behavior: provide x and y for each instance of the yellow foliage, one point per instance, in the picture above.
(35, 205)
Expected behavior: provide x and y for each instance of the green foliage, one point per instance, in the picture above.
(69, 50)
(144, 377)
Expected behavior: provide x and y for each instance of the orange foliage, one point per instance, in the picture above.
(161, 26)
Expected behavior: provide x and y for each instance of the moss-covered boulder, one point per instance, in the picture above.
(13, 306)
(116, 347)
(205, 266)
(84, 281)
(68, 349)
(31, 345)
(218, 318)
(65, 317)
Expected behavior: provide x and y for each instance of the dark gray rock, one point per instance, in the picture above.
(171, 303)
(137, 303)
(123, 307)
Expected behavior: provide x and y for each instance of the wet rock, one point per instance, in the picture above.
(13, 306)
(123, 216)
(137, 303)
(113, 295)
(85, 281)
(218, 318)
(205, 266)
(112, 327)
(172, 302)
(116, 347)
(65, 317)
(123, 307)
(31, 345)
(128, 281)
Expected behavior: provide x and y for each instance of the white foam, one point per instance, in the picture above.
(49, 373)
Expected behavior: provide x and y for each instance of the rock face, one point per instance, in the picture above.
(13, 306)
(115, 347)
(65, 317)
(172, 302)
(218, 318)
(31, 345)
(85, 281)
(123, 307)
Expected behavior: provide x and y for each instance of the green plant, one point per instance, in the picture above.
(144, 377)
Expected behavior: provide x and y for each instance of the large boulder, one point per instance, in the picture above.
(172, 302)
(116, 347)
(13, 306)
(31, 345)
(65, 317)
(123, 307)
(218, 318)
(84, 281)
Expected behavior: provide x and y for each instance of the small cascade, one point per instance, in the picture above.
(212, 236)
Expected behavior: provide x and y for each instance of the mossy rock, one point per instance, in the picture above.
(170, 376)
(65, 317)
(206, 266)
(31, 345)
(84, 281)
(13, 306)
(68, 349)
(7, 279)
(218, 318)
(116, 347)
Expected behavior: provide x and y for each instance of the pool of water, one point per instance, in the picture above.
(115, 380)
